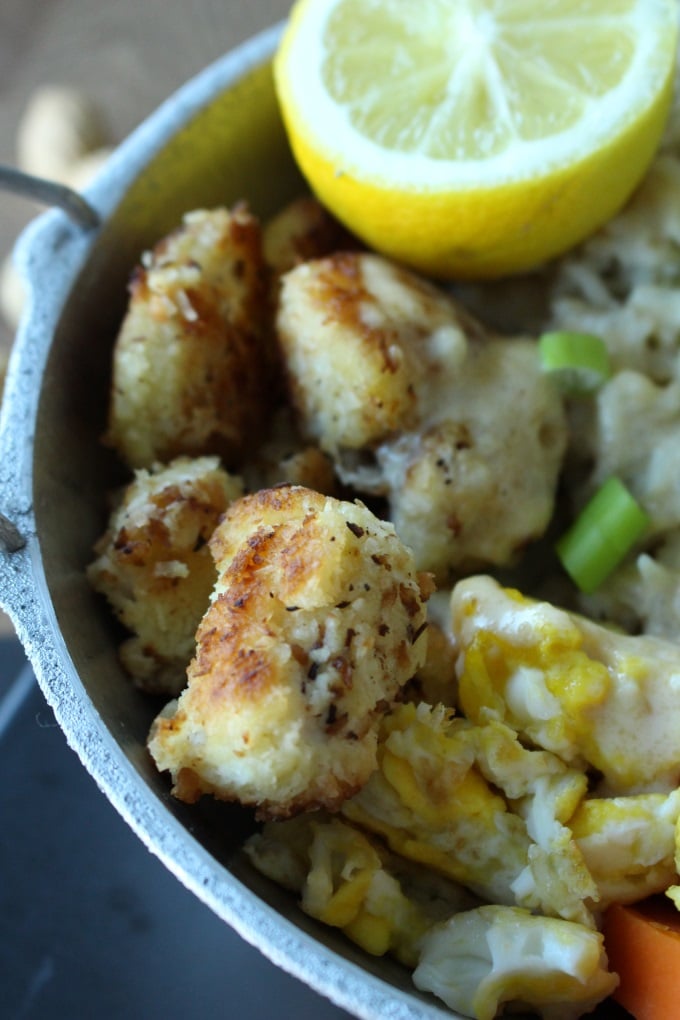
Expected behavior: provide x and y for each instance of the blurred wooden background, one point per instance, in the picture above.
(128, 55)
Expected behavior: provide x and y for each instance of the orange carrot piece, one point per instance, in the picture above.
(643, 947)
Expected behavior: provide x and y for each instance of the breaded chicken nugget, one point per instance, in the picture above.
(191, 364)
(303, 230)
(155, 569)
(317, 621)
(286, 458)
(417, 402)
(349, 327)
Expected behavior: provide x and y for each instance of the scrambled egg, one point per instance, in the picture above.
(432, 804)
(348, 880)
(628, 844)
(597, 698)
(510, 824)
(483, 958)
(474, 805)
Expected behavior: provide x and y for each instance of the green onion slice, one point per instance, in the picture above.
(578, 362)
(601, 536)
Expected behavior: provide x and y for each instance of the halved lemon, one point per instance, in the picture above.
(473, 138)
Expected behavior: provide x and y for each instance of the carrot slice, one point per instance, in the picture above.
(643, 947)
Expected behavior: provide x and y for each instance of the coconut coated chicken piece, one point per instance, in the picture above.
(317, 621)
(154, 567)
(458, 428)
(191, 364)
(302, 230)
(286, 458)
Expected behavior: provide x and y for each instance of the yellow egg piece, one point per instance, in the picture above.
(477, 138)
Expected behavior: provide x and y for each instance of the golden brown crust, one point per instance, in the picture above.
(286, 458)
(457, 428)
(317, 620)
(192, 366)
(301, 231)
(154, 566)
(350, 372)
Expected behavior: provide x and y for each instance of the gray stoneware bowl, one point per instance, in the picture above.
(219, 139)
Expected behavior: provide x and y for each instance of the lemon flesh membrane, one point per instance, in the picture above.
(476, 138)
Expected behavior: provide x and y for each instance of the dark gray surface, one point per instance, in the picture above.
(92, 924)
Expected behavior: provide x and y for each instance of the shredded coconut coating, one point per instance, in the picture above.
(154, 567)
(192, 369)
(456, 427)
(317, 621)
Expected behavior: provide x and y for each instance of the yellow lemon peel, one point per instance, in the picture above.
(480, 138)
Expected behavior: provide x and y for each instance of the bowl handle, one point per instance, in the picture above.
(49, 193)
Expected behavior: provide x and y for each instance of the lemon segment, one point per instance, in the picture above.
(478, 138)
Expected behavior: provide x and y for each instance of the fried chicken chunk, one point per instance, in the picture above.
(154, 567)
(191, 362)
(302, 230)
(317, 621)
(417, 402)
(285, 458)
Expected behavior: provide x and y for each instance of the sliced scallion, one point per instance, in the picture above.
(578, 362)
(604, 532)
